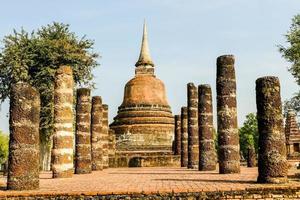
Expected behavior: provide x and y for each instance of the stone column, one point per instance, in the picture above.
(207, 150)
(228, 136)
(177, 135)
(193, 142)
(63, 136)
(96, 128)
(24, 118)
(104, 137)
(83, 163)
(184, 137)
(272, 163)
(251, 157)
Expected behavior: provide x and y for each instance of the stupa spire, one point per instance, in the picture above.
(145, 58)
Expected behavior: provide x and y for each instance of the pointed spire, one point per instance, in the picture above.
(145, 58)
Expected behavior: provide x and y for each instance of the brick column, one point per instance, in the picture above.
(207, 151)
(184, 137)
(83, 157)
(193, 142)
(177, 135)
(96, 128)
(272, 163)
(228, 136)
(63, 136)
(251, 157)
(24, 118)
(104, 137)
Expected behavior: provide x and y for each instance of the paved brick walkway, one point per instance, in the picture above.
(147, 180)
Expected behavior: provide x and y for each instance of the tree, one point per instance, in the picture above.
(292, 54)
(294, 104)
(4, 139)
(34, 57)
(249, 134)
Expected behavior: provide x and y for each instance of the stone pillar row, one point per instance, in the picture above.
(272, 162)
(194, 130)
(197, 135)
(89, 136)
(92, 133)
(91, 141)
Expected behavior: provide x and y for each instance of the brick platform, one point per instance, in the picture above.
(162, 158)
(125, 182)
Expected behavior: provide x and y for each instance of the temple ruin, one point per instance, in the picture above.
(145, 133)
(292, 134)
(144, 125)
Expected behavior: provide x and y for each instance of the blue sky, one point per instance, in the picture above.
(185, 38)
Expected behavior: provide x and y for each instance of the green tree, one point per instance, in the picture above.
(34, 57)
(249, 134)
(293, 103)
(292, 54)
(4, 139)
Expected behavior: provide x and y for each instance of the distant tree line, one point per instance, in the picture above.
(4, 139)
(292, 54)
(249, 134)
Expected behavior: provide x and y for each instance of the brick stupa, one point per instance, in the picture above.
(144, 125)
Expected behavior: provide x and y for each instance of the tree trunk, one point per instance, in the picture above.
(45, 154)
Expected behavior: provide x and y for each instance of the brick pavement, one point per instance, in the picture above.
(146, 180)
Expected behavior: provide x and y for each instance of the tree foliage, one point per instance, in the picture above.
(4, 139)
(34, 57)
(293, 103)
(249, 134)
(292, 54)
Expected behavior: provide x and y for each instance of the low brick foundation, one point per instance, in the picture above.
(144, 159)
(252, 193)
